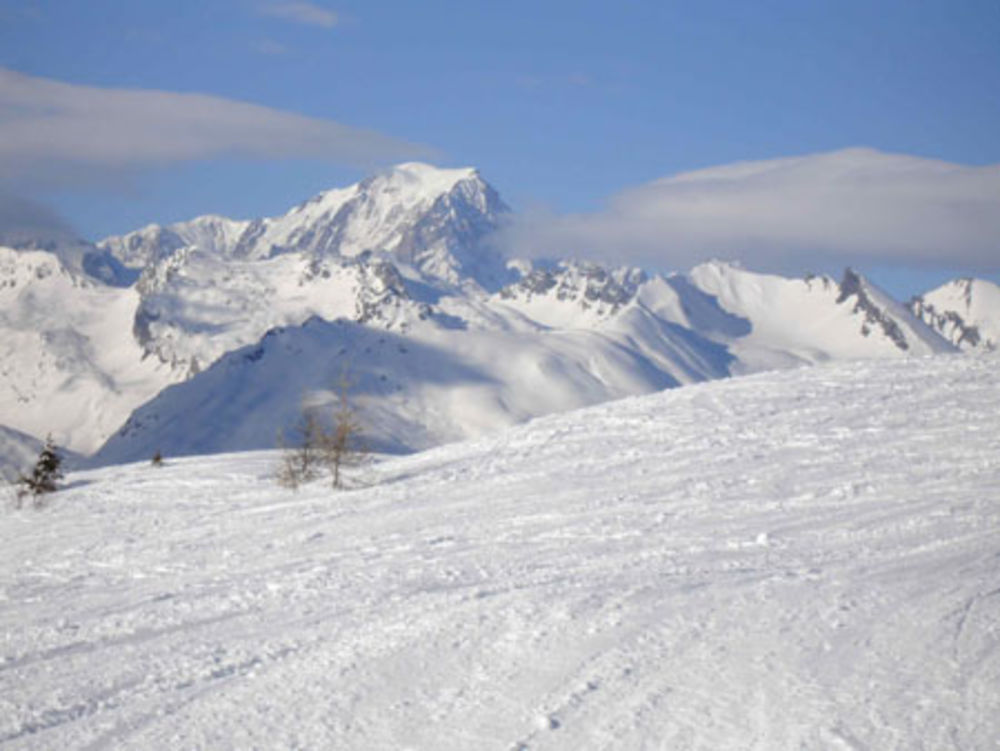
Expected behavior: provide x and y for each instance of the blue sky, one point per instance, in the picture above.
(561, 105)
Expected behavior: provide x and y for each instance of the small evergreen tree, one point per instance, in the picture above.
(45, 475)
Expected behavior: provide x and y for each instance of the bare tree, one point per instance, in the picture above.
(300, 457)
(343, 445)
(314, 446)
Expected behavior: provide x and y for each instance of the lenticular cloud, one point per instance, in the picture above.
(856, 204)
(55, 131)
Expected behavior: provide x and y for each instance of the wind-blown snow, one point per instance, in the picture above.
(801, 559)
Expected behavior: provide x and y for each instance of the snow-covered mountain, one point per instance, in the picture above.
(281, 307)
(559, 339)
(69, 363)
(966, 312)
(804, 559)
(139, 249)
(442, 380)
(432, 220)
(196, 306)
(815, 319)
(84, 342)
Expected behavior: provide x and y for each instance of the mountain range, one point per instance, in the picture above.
(209, 335)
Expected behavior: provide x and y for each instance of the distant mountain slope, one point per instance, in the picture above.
(433, 384)
(138, 249)
(559, 339)
(964, 311)
(816, 319)
(69, 364)
(196, 306)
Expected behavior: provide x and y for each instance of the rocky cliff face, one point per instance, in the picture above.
(966, 312)
(876, 317)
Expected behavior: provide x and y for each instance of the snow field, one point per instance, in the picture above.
(803, 559)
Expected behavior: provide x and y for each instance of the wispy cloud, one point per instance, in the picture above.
(853, 205)
(300, 12)
(270, 47)
(53, 132)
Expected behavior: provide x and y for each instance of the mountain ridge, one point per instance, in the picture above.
(404, 254)
(964, 311)
(401, 212)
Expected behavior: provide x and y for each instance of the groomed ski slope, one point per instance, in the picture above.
(801, 559)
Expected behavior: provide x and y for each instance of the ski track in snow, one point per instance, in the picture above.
(803, 559)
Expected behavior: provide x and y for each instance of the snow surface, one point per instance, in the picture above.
(800, 559)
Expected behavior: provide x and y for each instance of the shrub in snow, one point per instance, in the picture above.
(342, 446)
(44, 477)
(316, 447)
(300, 458)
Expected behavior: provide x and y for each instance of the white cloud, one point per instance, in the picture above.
(853, 205)
(52, 132)
(300, 12)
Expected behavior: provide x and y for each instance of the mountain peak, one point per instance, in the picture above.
(964, 311)
(428, 218)
(409, 184)
(431, 219)
(881, 313)
(442, 177)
